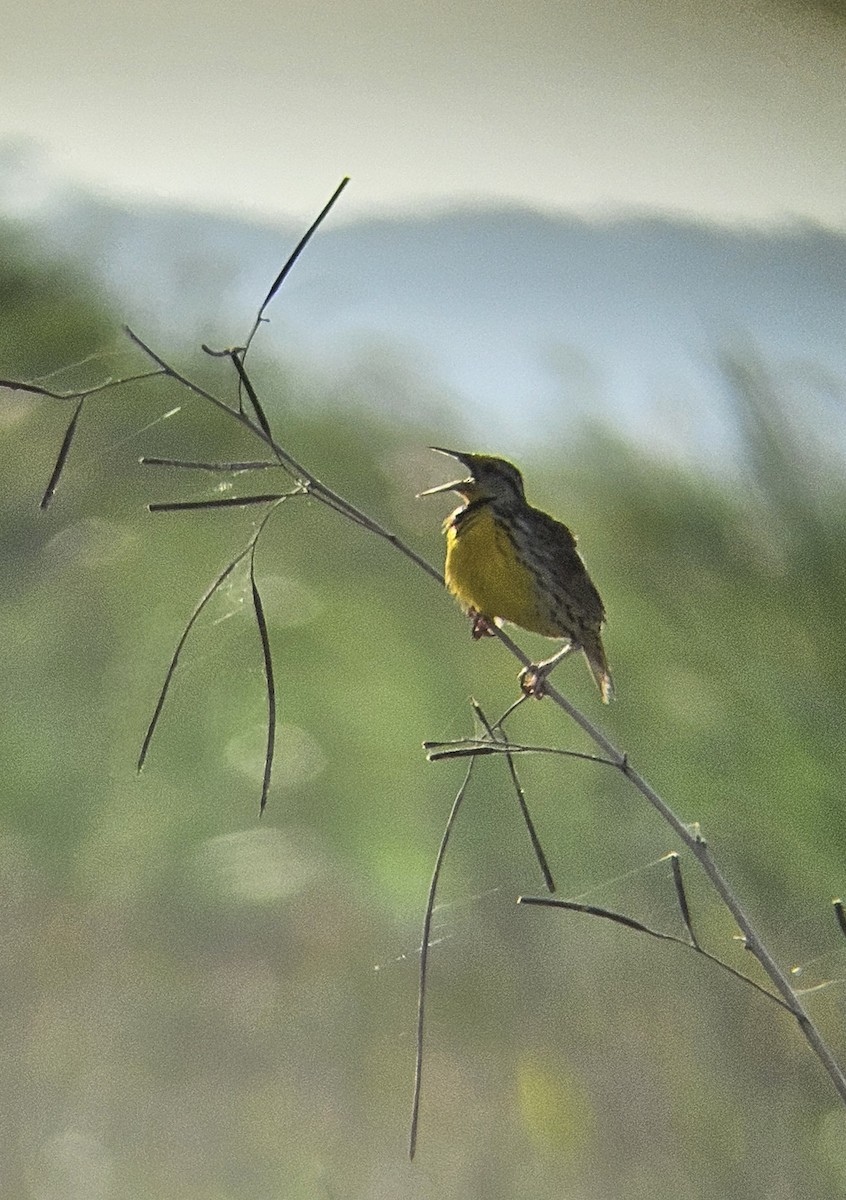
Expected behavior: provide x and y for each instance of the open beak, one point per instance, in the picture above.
(446, 487)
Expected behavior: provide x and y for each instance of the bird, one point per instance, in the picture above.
(507, 561)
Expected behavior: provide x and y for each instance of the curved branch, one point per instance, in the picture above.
(593, 910)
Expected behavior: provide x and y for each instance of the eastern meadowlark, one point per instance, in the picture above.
(508, 561)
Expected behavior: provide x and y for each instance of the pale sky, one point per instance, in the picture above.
(729, 109)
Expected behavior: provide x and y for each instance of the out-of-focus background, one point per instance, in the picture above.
(606, 241)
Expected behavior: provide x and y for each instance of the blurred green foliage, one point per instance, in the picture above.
(197, 1004)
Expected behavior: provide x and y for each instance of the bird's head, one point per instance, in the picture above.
(489, 478)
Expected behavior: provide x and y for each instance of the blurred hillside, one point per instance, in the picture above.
(522, 319)
(197, 1004)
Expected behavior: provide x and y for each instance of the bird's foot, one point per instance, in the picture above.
(533, 680)
(480, 626)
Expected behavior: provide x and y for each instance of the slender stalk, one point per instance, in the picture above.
(479, 747)
(61, 457)
(270, 686)
(311, 482)
(34, 389)
(298, 249)
(424, 960)
(520, 795)
(702, 853)
(148, 460)
(593, 910)
(210, 591)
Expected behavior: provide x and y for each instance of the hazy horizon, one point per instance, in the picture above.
(721, 112)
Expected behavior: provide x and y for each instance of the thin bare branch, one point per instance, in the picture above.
(593, 910)
(298, 249)
(261, 624)
(238, 354)
(170, 372)
(476, 747)
(513, 706)
(681, 896)
(237, 359)
(315, 487)
(221, 502)
(691, 838)
(424, 959)
(148, 460)
(160, 702)
(521, 799)
(192, 620)
(61, 458)
(34, 389)
(80, 395)
(841, 917)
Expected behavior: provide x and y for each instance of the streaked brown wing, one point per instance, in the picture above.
(562, 563)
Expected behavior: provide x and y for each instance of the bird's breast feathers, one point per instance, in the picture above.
(484, 571)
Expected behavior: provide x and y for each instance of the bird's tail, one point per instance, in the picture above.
(595, 654)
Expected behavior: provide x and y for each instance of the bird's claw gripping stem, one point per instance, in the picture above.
(480, 625)
(533, 680)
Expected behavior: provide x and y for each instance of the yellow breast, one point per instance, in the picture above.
(484, 572)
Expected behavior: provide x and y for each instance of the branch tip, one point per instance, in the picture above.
(841, 916)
